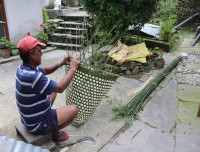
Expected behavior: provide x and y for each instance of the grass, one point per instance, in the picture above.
(186, 31)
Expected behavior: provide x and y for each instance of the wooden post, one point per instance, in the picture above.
(198, 113)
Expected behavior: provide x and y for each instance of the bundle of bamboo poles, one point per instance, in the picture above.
(135, 104)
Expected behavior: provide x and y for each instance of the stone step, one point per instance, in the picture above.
(77, 14)
(53, 13)
(70, 24)
(67, 46)
(68, 41)
(68, 36)
(56, 20)
(74, 18)
(73, 31)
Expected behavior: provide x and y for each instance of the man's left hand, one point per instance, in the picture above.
(66, 60)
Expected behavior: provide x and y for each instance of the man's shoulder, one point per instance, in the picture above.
(26, 72)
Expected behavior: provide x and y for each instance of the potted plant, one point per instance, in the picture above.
(14, 50)
(159, 61)
(5, 47)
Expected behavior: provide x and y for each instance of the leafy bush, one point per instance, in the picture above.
(13, 45)
(167, 9)
(166, 27)
(119, 14)
(42, 37)
(166, 17)
(4, 43)
(45, 16)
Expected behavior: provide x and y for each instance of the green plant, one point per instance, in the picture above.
(42, 37)
(119, 14)
(166, 29)
(45, 16)
(13, 45)
(166, 9)
(132, 40)
(4, 43)
(14, 50)
(166, 17)
(158, 51)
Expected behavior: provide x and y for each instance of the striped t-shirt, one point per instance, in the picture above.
(32, 95)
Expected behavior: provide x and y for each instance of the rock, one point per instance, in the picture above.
(128, 72)
(123, 68)
(135, 70)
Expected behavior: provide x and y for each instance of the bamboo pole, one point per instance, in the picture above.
(135, 104)
(185, 21)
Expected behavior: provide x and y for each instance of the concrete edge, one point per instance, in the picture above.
(13, 58)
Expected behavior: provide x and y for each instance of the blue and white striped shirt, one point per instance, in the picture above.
(33, 91)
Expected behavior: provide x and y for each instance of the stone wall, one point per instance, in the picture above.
(128, 69)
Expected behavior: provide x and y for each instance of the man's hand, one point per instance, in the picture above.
(75, 64)
(66, 60)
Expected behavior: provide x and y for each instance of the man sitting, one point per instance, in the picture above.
(35, 92)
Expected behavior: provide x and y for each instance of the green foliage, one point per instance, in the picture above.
(42, 37)
(166, 17)
(132, 40)
(13, 45)
(63, 2)
(158, 51)
(166, 27)
(119, 14)
(45, 15)
(4, 43)
(104, 38)
(166, 9)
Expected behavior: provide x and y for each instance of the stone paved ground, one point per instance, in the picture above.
(167, 123)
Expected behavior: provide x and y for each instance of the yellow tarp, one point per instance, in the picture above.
(122, 53)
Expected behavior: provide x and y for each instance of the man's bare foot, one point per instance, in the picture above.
(58, 136)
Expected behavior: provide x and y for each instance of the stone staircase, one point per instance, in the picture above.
(72, 32)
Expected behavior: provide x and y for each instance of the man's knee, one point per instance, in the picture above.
(74, 110)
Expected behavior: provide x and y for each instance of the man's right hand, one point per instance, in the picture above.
(75, 64)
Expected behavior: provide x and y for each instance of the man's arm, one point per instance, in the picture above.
(50, 69)
(63, 84)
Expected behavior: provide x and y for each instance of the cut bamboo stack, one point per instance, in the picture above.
(135, 104)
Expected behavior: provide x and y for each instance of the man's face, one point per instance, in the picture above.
(36, 55)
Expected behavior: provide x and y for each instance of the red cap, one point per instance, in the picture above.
(27, 43)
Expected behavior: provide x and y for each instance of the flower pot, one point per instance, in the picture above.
(159, 63)
(5, 52)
